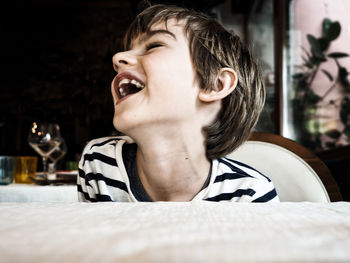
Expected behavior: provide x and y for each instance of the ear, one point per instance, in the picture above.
(225, 83)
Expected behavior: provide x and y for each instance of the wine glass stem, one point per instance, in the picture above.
(45, 170)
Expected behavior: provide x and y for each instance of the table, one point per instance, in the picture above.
(197, 231)
(38, 193)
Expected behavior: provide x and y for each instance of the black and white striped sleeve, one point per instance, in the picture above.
(85, 190)
(264, 190)
(239, 182)
(100, 178)
(97, 159)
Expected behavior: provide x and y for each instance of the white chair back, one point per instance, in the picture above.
(294, 179)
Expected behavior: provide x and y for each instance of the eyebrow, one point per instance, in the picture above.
(151, 33)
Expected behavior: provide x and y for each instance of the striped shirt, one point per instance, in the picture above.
(107, 172)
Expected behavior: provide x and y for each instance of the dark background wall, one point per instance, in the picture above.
(56, 66)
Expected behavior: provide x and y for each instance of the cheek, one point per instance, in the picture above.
(170, 74)
(114, 95)
(171, 79)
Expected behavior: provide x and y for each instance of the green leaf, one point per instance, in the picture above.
(334, 134)
(343, 77)
(330, 77)
(326, 24)
(315, 61)
(306, 52)
(298, 75)
(330, 30)
(312, 40)
(323, 43)
(315, 47)
(308, 64)
(301, 84)
(343, 73)
(338, 55)
(312, 97)
(334, 31)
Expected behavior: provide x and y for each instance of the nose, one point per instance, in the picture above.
(122, 59)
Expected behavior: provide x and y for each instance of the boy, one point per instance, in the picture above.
(187, 92)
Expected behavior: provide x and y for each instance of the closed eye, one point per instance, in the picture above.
(153, 45)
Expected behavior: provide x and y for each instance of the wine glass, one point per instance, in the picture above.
(44, 138)
(58, 153)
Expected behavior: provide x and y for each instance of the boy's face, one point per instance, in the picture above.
(158, 68)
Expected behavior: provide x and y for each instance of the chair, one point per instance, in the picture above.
(298, 174)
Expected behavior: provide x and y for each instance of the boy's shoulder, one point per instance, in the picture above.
(238, 169)
(242, 183)
(103, 142)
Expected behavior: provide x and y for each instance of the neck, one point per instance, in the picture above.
(172, 167)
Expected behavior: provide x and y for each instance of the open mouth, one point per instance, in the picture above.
(127, 86)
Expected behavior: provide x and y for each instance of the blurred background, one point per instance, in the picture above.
(56, 66)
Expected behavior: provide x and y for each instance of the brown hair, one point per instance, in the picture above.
(212, 47)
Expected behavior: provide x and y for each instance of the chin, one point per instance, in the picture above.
(121, 125)
(117, 126)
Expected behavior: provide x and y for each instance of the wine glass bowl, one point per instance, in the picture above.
(44, 138)
(58, 153)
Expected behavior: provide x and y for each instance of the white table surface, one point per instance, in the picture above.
(174, 232)
(38, 193)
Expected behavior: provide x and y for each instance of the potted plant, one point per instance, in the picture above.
(307, 103)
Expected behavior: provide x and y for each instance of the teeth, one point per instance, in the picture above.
(133, 81)
(137, 84)
(124, 81)
(122, 92)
